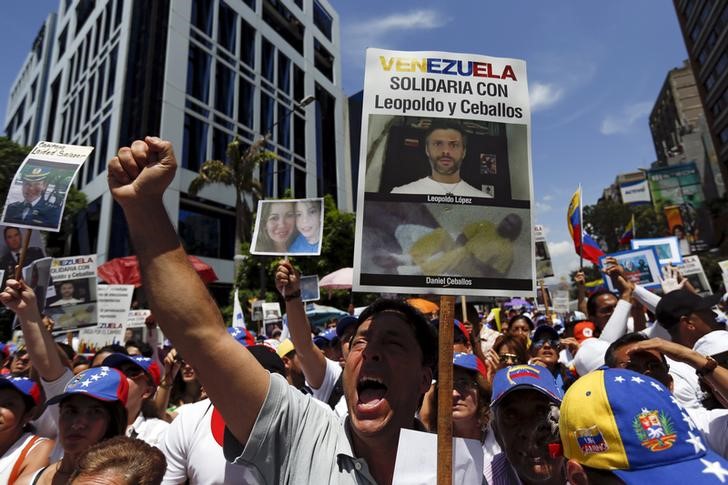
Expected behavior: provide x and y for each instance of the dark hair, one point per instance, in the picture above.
(424, 332)
(67, 349)
(265, 243)
(516, 342)
(112, 348)
(446, 125)
(7, 228)
(138, 462)
(626, 339)
(515, 318)
(144, 348)
(591, 303)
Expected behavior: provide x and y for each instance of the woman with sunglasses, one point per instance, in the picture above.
(544, 351)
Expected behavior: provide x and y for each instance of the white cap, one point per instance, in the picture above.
(590, 355)
(712, 343)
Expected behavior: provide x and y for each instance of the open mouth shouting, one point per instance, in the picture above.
(371, 392)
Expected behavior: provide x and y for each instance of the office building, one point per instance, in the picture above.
(197, 73)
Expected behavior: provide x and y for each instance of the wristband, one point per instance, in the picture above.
(708, 368)
(293, 296)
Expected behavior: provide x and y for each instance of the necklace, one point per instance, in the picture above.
(447, 188)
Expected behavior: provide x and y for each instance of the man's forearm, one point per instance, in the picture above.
(313, 362)
(41, 349)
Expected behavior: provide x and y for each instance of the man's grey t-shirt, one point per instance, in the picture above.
(295, 440)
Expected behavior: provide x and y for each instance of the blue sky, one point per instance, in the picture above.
(595, 69)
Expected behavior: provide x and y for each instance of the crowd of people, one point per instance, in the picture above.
(632, 388)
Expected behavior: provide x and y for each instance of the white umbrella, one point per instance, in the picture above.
(341, 279)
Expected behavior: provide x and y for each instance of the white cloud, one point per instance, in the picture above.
(542, 207)
(561, 248)
(548, 197)
(415, 20)
(544, 95)
(623, 122)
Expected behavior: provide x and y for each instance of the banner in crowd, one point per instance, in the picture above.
(10, 247)
(693, 270)
(666, 248)
(310, 288)
(37, 194)
(445, 184)
(289, 227)
(561, 301)
(640, 267)
(544, 268)
(71, 299)
(113, 304)
(680, 185)
(136, 326)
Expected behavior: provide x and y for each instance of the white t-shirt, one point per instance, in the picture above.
(193, 454)
(149, 430)
(47, 424)
(686, 386)
(7, 461)
(713, 424)
(323, 393)
(426, 186)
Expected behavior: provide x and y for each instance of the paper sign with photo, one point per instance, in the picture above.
(37, 275)
(692, 269)
(72, 303)
(38, 191)
(641, 267)
(113, 302)
(289, 227)
(136, 326)
(310, 288)
(544, 268)
(445, 188)
(666, 248)
(10, 247)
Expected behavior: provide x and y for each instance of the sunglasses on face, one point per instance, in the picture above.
(552, 343)
(508, 358)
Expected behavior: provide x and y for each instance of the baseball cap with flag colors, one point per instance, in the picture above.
(102, 383)
(618, 420)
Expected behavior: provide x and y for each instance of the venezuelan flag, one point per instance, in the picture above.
(628, 234)
(584, 245)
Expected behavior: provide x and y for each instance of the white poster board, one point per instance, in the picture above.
(693, 270)
(544, 268)
(113, 303)
(136, 326)
(445, 187)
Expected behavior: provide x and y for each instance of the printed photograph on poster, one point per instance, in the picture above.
(37, 275)
(641, 267)
(666, 248)
(72, 299)
(39, 188)
(539, 298)
(11, 245)
(310, 288)
(272, 318)
(289, 227)
(445, 186)
(136, 326)
(693, 270)
(435, 246)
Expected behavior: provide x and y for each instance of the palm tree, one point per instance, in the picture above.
(240, 173)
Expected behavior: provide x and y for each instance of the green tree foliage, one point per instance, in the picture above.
(606, 221)
(11, 156)
(240, 173)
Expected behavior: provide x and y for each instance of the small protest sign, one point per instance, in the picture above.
(39, 188)
(73, 303)
(310, 288)
(289, 227)
(544, 268)
(10, 248)
(561, 301)
(666, 248)
(37, 275)
(113, 310)
(445, 185)
(136, 326)
(692, 269)
(641, 267)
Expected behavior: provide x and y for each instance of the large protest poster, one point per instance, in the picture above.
(445, 176)
(38, 191)
(544, 268)
(113, 304)
(72, 299)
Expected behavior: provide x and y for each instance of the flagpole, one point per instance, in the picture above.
(581, 233)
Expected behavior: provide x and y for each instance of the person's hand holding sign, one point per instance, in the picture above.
(288, 280)
(19, 297)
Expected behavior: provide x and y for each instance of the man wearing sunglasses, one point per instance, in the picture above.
(143, 376)
(544, 351)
